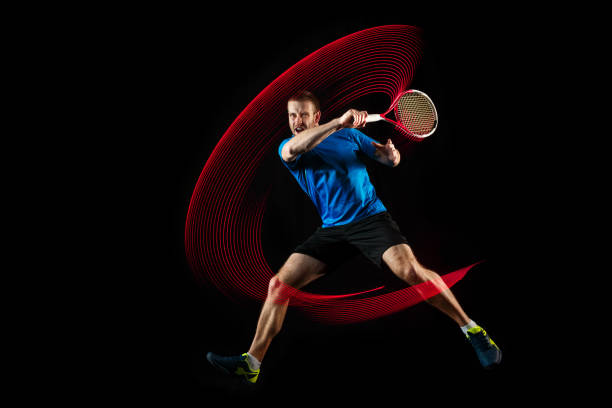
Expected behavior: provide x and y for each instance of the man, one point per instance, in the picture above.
(323, 159)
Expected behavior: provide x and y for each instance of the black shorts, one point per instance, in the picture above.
(371, 236)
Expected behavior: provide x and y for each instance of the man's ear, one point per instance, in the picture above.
(317, 117)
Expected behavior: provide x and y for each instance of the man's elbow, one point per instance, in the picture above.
(289, 153)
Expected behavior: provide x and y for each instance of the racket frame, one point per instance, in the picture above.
(375, 117)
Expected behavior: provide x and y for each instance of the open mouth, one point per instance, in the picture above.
(298, 129)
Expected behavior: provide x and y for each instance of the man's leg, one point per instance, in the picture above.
(402, 262)
(298, 271)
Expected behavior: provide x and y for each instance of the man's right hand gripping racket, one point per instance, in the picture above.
(415, 114)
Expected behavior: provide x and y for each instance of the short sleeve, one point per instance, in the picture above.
(364, 142)
(291, 165)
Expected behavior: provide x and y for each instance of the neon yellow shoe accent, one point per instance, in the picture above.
(251, 375)
(479, 329)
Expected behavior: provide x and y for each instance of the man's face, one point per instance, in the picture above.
(302, 116)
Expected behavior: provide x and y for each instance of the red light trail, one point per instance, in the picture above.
(224, 219)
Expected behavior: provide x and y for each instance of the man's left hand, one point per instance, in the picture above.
(387, 152)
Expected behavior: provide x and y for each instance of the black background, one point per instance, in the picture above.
(478, 189)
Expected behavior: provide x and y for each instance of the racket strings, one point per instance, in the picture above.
(416, 113)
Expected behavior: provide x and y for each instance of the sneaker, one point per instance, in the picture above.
(237, 366)
(488, 353)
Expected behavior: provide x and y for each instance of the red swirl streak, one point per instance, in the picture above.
(224, 220)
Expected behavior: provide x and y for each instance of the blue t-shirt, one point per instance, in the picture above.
(335, 179)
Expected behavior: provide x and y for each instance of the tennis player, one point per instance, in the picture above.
(323, 160)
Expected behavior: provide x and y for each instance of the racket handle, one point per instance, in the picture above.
(375, 117)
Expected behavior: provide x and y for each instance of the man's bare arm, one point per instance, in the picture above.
(310, 138)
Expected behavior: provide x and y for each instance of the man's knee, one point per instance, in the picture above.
(413, 272)
(408, 273)
(278, 291)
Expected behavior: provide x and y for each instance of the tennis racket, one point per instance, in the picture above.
(415, 114)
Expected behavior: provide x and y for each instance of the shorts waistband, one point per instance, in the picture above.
(355, 222)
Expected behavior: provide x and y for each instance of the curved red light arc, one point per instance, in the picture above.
(225, 217)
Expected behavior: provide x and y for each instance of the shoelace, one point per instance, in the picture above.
(481, 340)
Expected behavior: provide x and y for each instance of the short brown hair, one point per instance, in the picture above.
(306, 96)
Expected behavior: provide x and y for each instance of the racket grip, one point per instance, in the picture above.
(375, 117)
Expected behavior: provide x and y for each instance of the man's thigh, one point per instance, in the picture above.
(301, 269)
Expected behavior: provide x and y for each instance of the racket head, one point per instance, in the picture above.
(415, 114)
